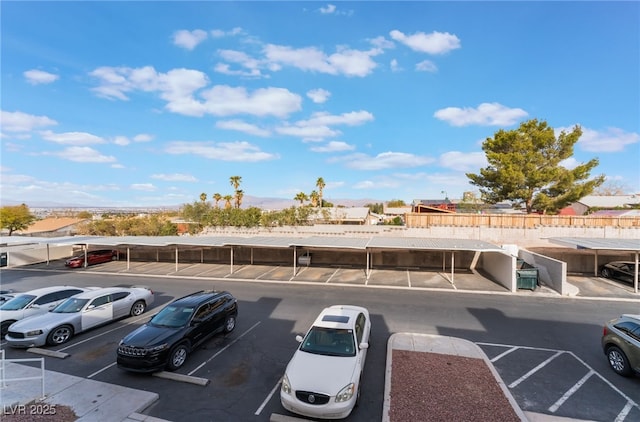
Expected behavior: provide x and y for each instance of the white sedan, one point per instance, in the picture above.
(79, 313)
(322, 380)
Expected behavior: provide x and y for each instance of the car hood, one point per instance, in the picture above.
(17, 314)
(149, 335)
(320, 373)
(43, 322)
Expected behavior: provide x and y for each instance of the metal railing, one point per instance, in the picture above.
(3, 372)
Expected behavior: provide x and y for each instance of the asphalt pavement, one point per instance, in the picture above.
(25, 389)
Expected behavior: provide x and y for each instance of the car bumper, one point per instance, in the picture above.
(331, 410)
(141, 364)
(26, 342)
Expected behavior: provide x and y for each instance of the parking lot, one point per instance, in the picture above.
(236, 377)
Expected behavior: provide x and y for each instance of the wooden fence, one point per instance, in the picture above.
(417, 220)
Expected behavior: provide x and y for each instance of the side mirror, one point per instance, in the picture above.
(34, 306)
(90, 307)
(364, 346)
(299, 338)
(195, 322)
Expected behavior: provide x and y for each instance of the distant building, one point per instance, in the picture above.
(339, 215)
(603, 202)
(52, 227)
(433, 205)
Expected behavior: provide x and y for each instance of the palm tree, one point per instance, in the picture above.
(227, 201)
(238, 197)
(320, 184)
(203, 197)
(301, 196)
(217, 197)
(235, 181)
(314, 198)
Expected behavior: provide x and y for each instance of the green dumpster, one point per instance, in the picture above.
(527, 278)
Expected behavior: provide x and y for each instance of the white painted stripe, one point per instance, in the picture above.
(103, 369)
(534, 370)
(623, 414)
(503, 354)
(409, 278)
(264, 403)
(224, 348)
(334, 273)
(569, 393)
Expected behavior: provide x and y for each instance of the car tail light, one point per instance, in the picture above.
(604, 331)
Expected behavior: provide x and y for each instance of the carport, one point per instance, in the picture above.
(596, 244)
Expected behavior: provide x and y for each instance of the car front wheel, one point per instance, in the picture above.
(138, 308)
(60, 335)
(606, 273)
(4, 328)
(229, 324)
(178, 357)
(618, 361)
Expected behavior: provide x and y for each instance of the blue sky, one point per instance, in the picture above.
(153, 103)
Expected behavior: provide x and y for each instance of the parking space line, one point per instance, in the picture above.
(505, 353)
(264, 403)
(624, 412)
(224, 348)
(534, 370)
(334, 273)
(100, 370)
(408, 278)
(570, 392)
(263, 274)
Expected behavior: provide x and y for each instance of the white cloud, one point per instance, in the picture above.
(178, 88)
(610, 140)
(319, 95)
(317, 127)
(345, 61)
(175, 177)
(143, 137)
(36, 77)
(243, 59)
(486, 114)
(242, 126)
(219, 33)
(333, 146)
(461, 161)
(223, 151)
(72, 138)
(189, 39)
(146, 187)
(426, 66)
(121, 140)
(395, 67)
(330, 8)
(83, 155)
(19, 122)
(433, 43)
(385, 160)
(382, 42)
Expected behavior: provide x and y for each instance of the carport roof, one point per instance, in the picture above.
(598, 243)
(361, 243)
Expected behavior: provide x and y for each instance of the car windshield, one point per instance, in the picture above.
(18, 302)
(329, 342)
(172, 316)
(70, 306)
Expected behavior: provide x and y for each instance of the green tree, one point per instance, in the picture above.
(377, 208)
(238, 197)
(314, 197)
(525, 168)
(203, 197)
(320, 184)
(396, 203)
(217, 197)
(227, 200)
(235, 181)
(84, 214)
(16, 217)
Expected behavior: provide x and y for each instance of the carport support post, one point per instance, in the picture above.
(635, 275)
(176, 259)
(128, 257)
(452, 266)
(367, 269)
(295, 260)
(47, 254)
(231, 269)
(595, 264)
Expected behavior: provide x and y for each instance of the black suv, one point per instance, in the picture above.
(182, 325)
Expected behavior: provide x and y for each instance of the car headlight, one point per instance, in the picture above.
(346, 393)
(286, 387)
(33, 333)
(158, 348)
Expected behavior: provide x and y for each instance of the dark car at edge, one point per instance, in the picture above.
(173, 333)
(93, 257)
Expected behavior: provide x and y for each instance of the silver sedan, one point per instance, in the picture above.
(79, 313)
